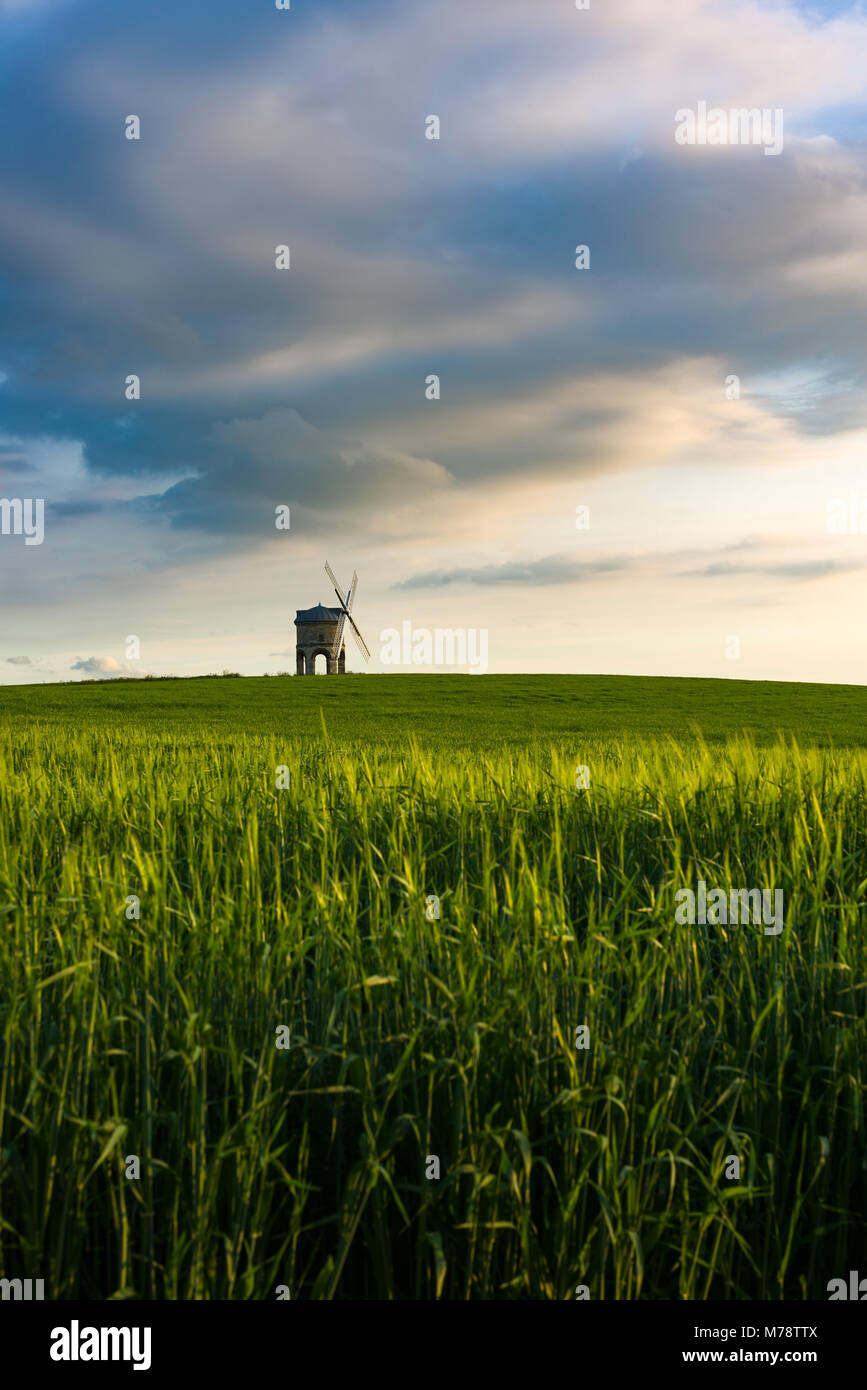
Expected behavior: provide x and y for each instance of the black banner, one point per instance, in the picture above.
(226, 1339)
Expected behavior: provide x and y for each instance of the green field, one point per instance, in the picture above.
(306, 906)
(477, 711)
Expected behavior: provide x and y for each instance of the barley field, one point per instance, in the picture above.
(408, 875)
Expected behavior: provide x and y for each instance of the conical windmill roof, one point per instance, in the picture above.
(319, 614)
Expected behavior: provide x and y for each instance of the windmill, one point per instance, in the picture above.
(346, 602)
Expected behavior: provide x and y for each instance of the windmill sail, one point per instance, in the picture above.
(359, 640)
(335, 650)
(346, 601)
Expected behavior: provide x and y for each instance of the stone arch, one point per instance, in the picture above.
(330, 662)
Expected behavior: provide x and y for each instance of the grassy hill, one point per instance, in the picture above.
(447, 710)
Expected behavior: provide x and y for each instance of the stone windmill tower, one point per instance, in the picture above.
(319, 632)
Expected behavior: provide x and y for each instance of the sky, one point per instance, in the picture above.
(654, 464)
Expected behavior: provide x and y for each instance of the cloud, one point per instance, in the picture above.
(564, 568)
(797, 569)
(103, 666)
(553, 569)
(410, 257)
(33, 665)
(254, 464)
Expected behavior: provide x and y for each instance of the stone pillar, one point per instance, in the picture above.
(299, 662)
(341, 662)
